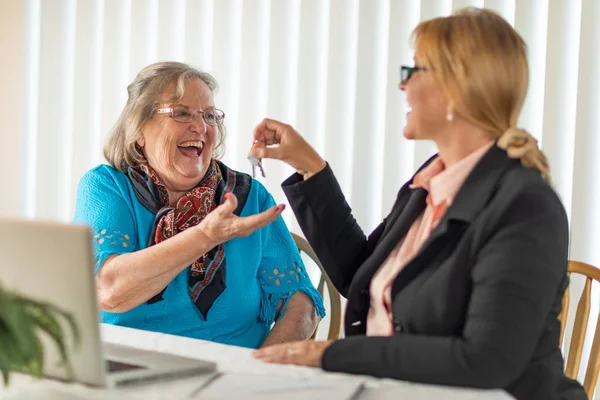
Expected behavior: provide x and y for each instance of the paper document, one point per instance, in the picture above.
(266, 387)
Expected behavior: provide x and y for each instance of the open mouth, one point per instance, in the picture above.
(191, 148)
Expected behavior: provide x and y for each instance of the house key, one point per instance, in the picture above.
(256, 163)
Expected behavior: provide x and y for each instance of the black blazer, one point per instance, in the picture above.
(478, 304)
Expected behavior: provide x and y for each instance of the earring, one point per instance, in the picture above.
(449, 116)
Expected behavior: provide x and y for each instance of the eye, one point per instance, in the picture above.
(210, 115)
(181, 113)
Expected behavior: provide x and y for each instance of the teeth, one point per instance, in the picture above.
(192, 144)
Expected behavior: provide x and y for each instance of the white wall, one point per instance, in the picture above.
(12, 101)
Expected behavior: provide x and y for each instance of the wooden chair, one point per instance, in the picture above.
(580, 328)
(335, 309)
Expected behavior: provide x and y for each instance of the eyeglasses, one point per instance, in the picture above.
(212, 116)
(406, 72)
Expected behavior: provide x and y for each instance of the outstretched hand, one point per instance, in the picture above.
(221, 224)
(276, 140)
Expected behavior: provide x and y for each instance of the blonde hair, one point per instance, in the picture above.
(144, 97)
(480, 62)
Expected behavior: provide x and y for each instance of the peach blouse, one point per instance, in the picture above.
(442, 184)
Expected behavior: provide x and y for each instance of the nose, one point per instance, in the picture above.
(402, 85)
(200, 124)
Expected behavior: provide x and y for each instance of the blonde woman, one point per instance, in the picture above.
(462, 282)
(184, 244)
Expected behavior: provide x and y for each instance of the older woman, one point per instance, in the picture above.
(184, 244)
(462, 282)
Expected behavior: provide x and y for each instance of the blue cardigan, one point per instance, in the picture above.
(262, 269)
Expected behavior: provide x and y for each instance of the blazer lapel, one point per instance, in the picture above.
(470, 200)
(409, 201)
(390, 238)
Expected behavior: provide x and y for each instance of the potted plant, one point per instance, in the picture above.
(22, 322)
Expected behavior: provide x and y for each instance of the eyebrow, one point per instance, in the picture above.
(186, 106)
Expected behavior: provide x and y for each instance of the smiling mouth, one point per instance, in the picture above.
(191, 148)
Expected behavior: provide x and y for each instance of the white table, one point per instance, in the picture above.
(237, 364)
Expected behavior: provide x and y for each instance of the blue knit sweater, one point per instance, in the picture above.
(262, 269)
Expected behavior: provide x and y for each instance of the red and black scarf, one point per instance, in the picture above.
(207, 273)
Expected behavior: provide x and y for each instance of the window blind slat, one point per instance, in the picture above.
(341, 89)
(199, 31)
(369, 117)
(227, 47)
(54, 132)
(561, 93)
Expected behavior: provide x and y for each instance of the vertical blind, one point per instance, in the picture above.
(328, 67)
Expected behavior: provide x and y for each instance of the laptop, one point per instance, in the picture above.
(53, 262)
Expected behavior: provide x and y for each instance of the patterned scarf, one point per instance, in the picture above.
(207, 273)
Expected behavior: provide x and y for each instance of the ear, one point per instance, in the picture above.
(141, 141)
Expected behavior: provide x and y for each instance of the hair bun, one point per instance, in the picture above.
(519, 144)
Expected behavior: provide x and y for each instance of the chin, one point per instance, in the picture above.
(409, 134)
(196, 173)
(190, 173)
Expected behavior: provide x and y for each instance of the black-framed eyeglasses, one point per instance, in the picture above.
(406, 72)
(212, 116)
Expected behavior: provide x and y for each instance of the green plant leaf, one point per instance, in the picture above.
(21, 322)
(42, 317)
(52, 310)
(18, 330)
(4, 363)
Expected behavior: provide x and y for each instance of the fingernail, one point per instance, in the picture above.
(281, 207)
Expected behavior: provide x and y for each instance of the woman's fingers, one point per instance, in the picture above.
(229, 205)
(307, 353)
(280, 353)
(274, 139)
(291, 147)
(222, 224)
(260, 150)
(270, 131)
(247, 225)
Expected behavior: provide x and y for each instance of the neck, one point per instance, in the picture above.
(174, 197)
(461, 141)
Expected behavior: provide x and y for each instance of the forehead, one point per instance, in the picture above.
(423, 44)
(195, 94)
(418, 54)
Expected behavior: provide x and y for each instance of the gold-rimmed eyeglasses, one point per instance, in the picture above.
(212, 116)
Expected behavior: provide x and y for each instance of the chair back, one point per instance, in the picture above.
(335, 309)
(580, 327)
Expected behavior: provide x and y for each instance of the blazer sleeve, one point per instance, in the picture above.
(327, 222)
(516, 277)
